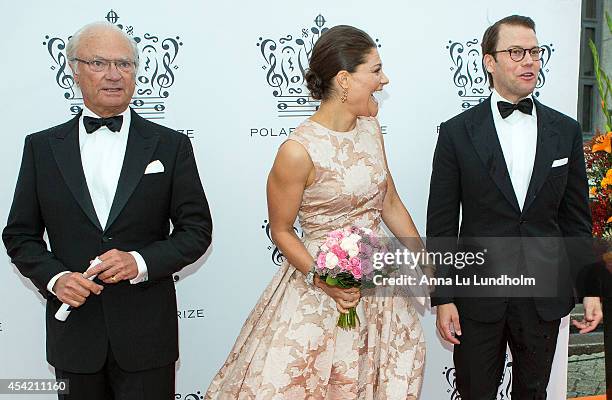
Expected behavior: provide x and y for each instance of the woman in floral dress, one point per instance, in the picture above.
(330, 173)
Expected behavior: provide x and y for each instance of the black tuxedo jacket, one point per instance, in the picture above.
(139, 321)
(470, 174)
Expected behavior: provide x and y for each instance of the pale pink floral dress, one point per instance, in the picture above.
(290, 347)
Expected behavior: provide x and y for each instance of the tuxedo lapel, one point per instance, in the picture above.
(65, 147)
(140, 147)
(483, 135)
(548, 140)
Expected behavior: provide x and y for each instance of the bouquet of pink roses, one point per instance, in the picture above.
(345, 260)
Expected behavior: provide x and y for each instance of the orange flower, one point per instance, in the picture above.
(593, 191)
(607, 180)
(603, 143)
(609, 220)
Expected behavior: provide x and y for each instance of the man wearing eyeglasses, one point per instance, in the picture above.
(514, 169)
(105, 185)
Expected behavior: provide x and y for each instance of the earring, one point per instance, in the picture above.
(344, 95)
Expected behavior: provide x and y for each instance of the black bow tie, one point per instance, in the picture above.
(505, 109)
(113, 123)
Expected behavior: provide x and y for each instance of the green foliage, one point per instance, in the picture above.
(603, 81)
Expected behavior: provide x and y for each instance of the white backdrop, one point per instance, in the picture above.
(215, 76)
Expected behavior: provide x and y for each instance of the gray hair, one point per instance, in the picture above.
(74, 41)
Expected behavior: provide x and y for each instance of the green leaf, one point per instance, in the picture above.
(603, 81)
(331, 281)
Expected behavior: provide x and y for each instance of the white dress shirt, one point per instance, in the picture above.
(518, 136)
(102, 153)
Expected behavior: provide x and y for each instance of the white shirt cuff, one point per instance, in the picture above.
(143, 273)
(53, 280)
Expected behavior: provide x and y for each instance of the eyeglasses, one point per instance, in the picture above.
(518, 53)
(100, 64)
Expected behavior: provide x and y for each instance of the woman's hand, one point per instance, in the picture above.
(344, 298)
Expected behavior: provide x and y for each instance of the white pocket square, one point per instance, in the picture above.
(559, 162)
(155, 167)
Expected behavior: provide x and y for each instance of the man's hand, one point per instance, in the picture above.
(116, 266)
(592, 315)
(74, 288)
(447, 322)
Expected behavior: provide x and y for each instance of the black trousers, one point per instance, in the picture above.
(480, 358)
(114, 383)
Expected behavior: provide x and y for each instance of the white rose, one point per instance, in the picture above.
(353, 250)
(346, 243)
(349, 242)
(354, 237)
(331, 260)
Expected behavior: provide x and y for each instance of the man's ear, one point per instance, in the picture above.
(75, 74)
(489, 62)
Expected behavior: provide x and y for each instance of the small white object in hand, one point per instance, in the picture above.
(64, 310)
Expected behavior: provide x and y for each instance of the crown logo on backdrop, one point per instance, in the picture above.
(470, 76)
(285, 61)
(503, 391)
(155, 75)
(277, 255)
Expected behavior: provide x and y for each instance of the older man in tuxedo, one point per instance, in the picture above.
(107, 184)
(514, 168)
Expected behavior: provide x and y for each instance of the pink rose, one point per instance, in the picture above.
(344, 264)
(356, 267)
(336, 234)
(356, 272)
(321, 260)
(331, 242)
(337, 250)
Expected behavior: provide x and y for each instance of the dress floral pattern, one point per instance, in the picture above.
(290, 347)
